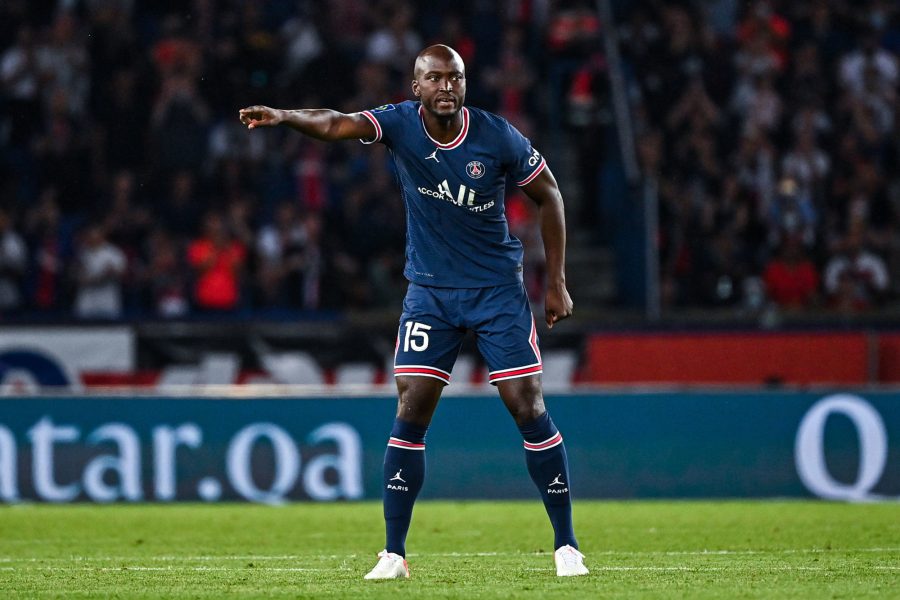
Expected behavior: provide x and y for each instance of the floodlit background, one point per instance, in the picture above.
(766, 133)
(731, 172)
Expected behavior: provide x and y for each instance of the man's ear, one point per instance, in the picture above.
(415, 88)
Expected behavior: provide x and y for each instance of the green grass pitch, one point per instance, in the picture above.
(457, 550)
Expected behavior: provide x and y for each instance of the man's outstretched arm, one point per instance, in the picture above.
(545, 193)
(319, 123)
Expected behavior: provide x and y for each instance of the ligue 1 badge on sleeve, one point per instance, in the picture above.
(475, 169)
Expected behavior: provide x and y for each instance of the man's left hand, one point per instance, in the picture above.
(557, 304)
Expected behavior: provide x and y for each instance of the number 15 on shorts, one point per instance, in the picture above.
(416, 337)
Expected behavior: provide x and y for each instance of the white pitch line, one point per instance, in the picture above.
(594, 568)
(276, 557)
(174, 568)
(173, 558)
(466, 554)
(705, 569)
(739, 552)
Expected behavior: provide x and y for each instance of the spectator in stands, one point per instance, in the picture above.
(694, 109)
(50, 247)
(62, 152)
(763, 35)
(127, 222)
(303, 44)
(396, 43)
(21, 83)
(869, 61)
(696, 153)
(732, 98)
(217, 260)
(879, 99)
(721, 270)
(374, 85)
(310, 172)
(573, 28)
(791, 279)
(179, 124)
(13, 261)
(758, 104)
(794, 212)
(821, 23)
(811, 85)
(810, 119)
(511, 79)
(122, 131)
(113, 41)
(227, 142)
(63, 63)
(98, 277)
(808, 166)
(855, 279)
(280, 247)
(181, 209)
(754, 162)
(175, 52)
(239, 218)
(314, 264)
(454, 34)
(350, 259)
(164, 278)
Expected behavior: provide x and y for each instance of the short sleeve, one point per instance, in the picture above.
(524, 163)
(386, 119)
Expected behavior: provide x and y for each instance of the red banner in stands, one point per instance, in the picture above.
(889, 358)
(745, 358)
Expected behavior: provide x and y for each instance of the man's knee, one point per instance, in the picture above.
(523, 398)
(417, 399)
(526, 412)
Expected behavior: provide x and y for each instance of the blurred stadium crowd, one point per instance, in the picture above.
(770, 130)
(129, 188)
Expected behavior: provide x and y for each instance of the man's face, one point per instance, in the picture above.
(440, 84)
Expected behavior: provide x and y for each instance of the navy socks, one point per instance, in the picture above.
(404, 473)
(548, 466)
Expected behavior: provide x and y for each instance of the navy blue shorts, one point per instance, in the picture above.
(435, 320)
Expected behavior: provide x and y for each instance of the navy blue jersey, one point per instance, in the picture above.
(456, 230)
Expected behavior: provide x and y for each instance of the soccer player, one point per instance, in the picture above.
(465, 272)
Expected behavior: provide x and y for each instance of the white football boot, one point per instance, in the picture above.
(390, 566)
(569, 562)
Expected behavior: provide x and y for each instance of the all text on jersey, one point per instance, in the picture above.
(465, 196)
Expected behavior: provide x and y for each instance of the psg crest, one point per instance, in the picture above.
(475, 169)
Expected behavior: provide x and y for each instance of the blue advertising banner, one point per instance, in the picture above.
(842, 446)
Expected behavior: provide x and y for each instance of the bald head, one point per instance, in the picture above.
(440, 81)
(437, 53)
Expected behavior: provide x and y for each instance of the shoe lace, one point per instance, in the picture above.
(571, 557)
(385, 561)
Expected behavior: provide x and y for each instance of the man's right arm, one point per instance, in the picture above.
(319, 123)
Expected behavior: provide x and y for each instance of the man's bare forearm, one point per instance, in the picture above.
(552, 218)
(326, 124)
(553, 233)
(319, 123)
